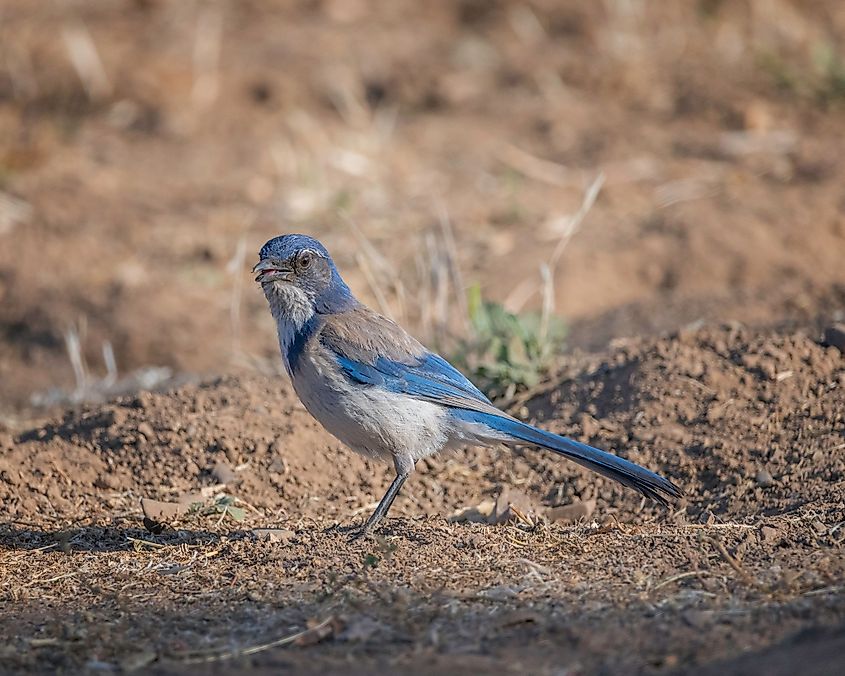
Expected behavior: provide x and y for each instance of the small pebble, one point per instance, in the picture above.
(835, 335)
(770, 534)
(573, 512)
(819, 527)
(146, 429)
(273, 534)
(223, 473)
(764, 479)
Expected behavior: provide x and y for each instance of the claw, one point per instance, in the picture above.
(358, 534)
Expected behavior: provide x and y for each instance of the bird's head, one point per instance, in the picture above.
(296, 272)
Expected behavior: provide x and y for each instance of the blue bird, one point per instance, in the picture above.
(383, 394)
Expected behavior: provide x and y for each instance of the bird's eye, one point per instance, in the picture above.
(305, 260)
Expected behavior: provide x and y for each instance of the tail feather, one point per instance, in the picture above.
(625, 472)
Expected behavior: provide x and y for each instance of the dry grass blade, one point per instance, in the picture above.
(683, 190)
(13, 212)
(49, 580)
(537, 168)
(451, 247)
(837, 589)
(206, 57)
(216, 656)
(36, 550)
(86, 60)
(235, 268)
(515, 403)
(145, 543)
(369, 254)
(77, 361)
(381, 299)
(719, 526)
(569, 225)
(731, 560)
(524, 518)
(526, 25)
(677, 578)
(440, 298)
(548, 300)
(111, 364)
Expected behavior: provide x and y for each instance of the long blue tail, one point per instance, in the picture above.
(625, 472)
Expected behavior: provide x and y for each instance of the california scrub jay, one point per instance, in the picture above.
(381, 392)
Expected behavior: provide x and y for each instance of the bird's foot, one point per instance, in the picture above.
(360, 533)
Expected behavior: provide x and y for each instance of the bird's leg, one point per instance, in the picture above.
(404, 467)
(384, 505)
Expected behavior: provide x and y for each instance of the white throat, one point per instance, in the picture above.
(291, 308)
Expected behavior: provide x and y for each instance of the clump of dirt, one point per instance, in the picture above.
(750, 425)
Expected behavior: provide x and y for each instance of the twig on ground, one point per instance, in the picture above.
(678, 578)
(146, 543)
(825, 590)
(731, 561)
(32, 583)
(217, 655)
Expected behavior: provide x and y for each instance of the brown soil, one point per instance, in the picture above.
(722, 198)
(750, 425)
(130, 210)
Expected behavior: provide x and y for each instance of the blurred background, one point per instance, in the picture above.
(564, 172)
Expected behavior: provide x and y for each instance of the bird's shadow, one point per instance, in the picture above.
(388, 528)
(101, 539)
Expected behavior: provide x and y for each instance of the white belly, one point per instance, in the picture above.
(368, 419)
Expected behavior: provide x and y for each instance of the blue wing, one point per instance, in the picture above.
(372, 350)
(431, 378)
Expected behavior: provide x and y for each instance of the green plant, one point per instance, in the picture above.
(224, 505)
(830, 69)
(507, 351)
(819, 76)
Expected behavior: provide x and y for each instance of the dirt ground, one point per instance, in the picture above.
(751, 426)
(149, 147)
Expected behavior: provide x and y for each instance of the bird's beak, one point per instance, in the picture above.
(269, 270)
